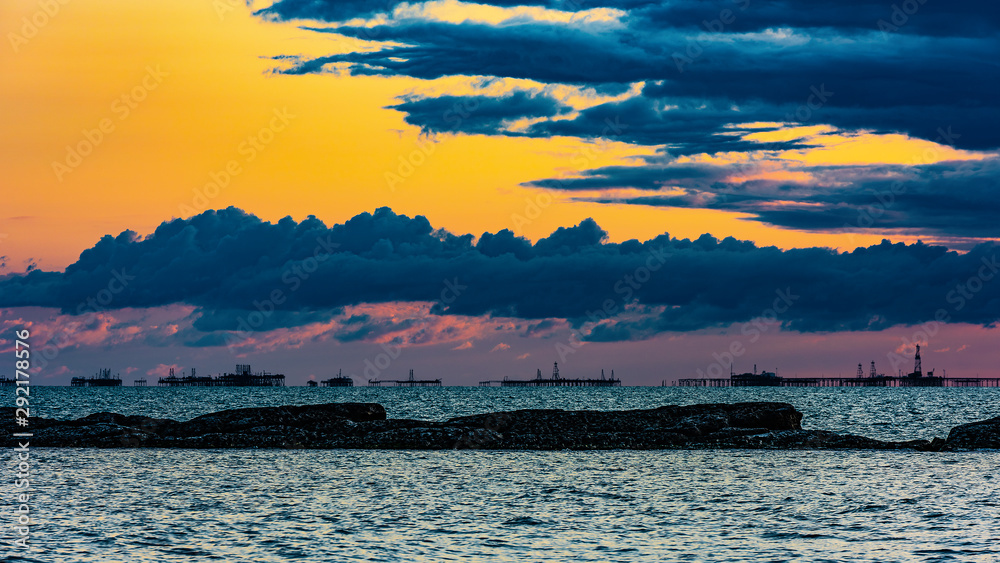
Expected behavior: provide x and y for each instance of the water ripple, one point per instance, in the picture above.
(279, 505)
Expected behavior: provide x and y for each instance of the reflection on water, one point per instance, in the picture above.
(277, 505)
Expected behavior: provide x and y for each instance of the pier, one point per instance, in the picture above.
(888, 381)
(555, 381)
(916, 378)
(101, 379)
(242, 377)
(411, 382)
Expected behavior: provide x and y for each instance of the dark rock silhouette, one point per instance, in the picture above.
(980, 435)
(365, 426)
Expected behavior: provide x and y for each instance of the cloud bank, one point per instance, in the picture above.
(227, 264)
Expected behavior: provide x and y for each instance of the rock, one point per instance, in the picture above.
(365, 426)
(981, 435)
(286, 426)
(314, 417)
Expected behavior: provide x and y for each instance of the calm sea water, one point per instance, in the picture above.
(279, 505)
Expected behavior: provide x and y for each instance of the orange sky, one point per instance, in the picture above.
(208, 91)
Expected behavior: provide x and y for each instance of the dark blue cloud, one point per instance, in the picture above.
(961, 18)
(964, 18)
(923, 68)
(227, 263)
(343, 10)
(539, 51)
(948, 199)
(477, 114)
(737, 61)
(683, 127)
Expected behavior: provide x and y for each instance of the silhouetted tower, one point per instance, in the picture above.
(917, 371)
(861, 372)
(539, 374)
(872, 373)
(555, 370)
(411, 375)
(602, 374)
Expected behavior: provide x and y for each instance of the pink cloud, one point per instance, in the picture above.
(163, 370)
(400, 324)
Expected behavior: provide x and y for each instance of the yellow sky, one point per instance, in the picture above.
(198, 97)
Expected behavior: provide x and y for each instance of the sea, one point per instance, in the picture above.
(264, 505)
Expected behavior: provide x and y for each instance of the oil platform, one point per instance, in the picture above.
(342, 381)
(7, 382)
(411, 382)
(555, 381)
(916, 378)
(101, 379)
(242, 377)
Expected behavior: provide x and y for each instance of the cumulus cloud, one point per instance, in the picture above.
(239, 273)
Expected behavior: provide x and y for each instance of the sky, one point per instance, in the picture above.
(477, 190)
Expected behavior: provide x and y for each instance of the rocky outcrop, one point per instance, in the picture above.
(980, 435)
(248, 427)
(365, 426)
